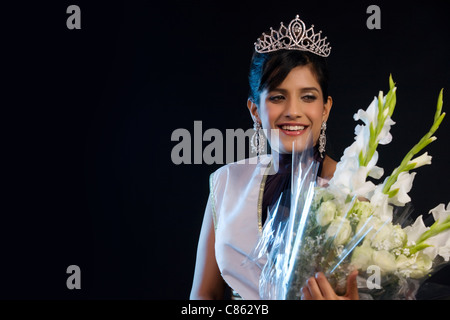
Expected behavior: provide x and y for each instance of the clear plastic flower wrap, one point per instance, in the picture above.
(281, 239)
(352, 223)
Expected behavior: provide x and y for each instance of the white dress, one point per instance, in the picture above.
(235, 201)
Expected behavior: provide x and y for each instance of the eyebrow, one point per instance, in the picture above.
(302, 89)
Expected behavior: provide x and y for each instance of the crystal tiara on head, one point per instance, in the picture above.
(293, 37)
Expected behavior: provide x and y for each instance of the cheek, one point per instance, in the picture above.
(315, 115)
(315, 111)
(272, 116)
(268, 116)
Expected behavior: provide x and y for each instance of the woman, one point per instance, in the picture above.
(288, 93)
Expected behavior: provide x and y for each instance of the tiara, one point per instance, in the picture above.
(294, 37)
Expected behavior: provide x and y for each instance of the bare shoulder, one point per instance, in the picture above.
(329, 167)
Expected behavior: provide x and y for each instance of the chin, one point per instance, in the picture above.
(285, 143)
(298, 144)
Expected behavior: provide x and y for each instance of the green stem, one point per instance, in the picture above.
(426, 140)
(418, 247)
(434, 230)
(384, 110)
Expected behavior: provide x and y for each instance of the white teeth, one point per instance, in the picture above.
(292, 128)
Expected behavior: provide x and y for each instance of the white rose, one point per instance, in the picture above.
(385, 260)
(363, 209)
(363, 222)
(403, 262)
(326, 213)
(382, 235)
(362, 256)
(421, 267)
(415, 266)
(399, 237)
(340, 229)
(371, 223)
(389, 237)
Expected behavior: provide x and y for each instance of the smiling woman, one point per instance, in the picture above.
(288, 95)
(296, 106)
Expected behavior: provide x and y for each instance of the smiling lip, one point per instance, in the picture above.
(293, 129)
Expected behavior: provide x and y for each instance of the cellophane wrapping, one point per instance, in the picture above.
(352, 223)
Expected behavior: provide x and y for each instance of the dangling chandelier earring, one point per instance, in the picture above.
(257, 141)
(322, 139)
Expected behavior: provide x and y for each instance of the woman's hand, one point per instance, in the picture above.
(318, 288)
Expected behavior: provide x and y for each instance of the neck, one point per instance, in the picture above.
(282, 162)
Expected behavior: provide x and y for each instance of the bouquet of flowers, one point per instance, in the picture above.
(353, 223)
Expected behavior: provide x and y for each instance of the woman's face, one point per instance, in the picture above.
(295, 108)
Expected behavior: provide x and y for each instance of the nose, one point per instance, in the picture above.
(293, 109)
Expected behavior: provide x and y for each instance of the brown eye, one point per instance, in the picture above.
(309, 98)
(276, 98)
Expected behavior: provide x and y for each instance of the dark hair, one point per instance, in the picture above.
(268, 70)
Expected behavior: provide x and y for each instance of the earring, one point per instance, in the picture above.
(322, 139)
(257, 141)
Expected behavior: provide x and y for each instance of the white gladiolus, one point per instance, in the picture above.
(404, 185)
(440, 213)
(423, 160)
(350, 178)
(414, 231)
(444, 251)
(370, 116)
(380, 201)
(350, 223)
(438, 245)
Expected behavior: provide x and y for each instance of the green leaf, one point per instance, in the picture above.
(418, 247)
(348, 199)
(439, 105)
(410, 167)
(380, 103)
(391, 82)
(393, 193)
(372, 131)
(426, 140)
(434, 230)
(392, 102)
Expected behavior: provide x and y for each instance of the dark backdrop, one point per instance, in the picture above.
(88, 116)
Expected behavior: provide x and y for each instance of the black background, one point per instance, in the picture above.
(88, 116)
